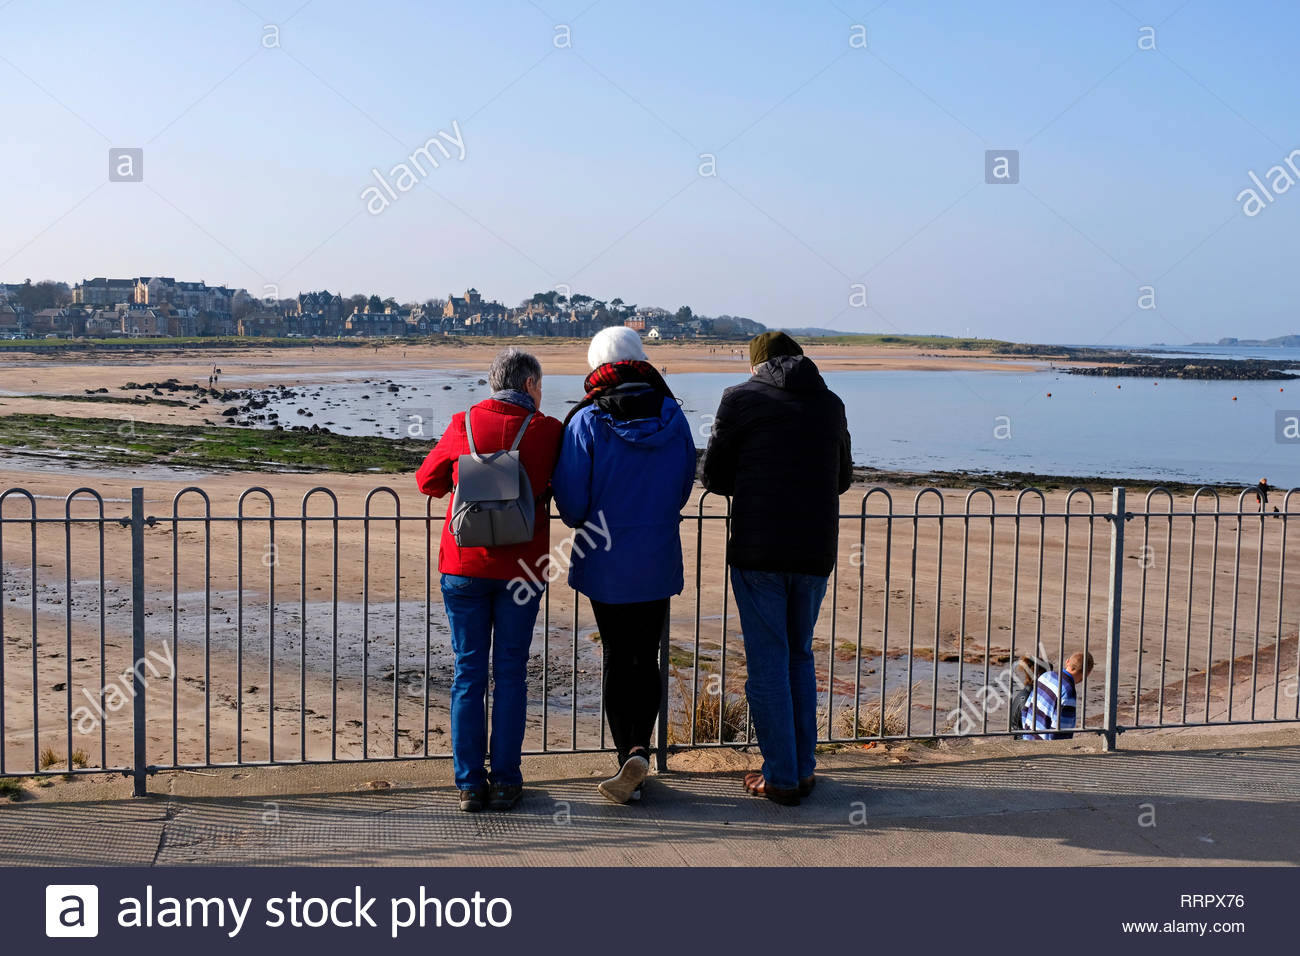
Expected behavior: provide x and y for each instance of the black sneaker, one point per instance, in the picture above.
(503, 797)
(474, 799)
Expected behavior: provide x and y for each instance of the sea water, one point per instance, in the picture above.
(1027, 419)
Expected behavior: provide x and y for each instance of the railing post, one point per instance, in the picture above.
(661, 743)
(1113, 613)
(139, 762)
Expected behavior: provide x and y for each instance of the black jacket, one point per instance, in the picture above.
(780, 448)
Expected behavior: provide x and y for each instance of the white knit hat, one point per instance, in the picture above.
(617, 343)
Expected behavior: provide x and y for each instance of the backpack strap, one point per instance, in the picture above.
(469, 434)
(522, 428)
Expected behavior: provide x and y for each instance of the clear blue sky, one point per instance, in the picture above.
(835, 164)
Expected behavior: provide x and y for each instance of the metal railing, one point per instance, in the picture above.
(933, 612)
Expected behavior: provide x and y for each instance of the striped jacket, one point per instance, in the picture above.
(1051, 708)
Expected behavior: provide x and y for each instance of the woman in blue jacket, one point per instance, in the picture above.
(626, 468)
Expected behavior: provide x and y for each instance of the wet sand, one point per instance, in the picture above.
(76, 372)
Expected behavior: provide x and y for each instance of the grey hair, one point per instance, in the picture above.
(512, 368)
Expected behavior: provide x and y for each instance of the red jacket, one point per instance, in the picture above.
(495, 426)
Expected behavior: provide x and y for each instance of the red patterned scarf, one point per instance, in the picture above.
(612, 374)
(620, 373)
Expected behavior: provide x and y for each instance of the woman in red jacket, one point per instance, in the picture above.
(489, 593)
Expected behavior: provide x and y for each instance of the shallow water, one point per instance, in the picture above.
(1044, 422)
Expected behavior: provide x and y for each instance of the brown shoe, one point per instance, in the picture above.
(806, 784)
(502, 797)
(474, 799)
(757, 786)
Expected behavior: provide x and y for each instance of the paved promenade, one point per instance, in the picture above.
(1227, 797)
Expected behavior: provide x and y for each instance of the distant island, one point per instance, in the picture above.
(815, 333)
(1279, 342)
(1204, 369)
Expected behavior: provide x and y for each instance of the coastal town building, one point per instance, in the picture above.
(379, 324)
(139, 321)
(151, 306)
(103, 293)
(10, 320)
(262, 323)
(323, 303)
(471, 309)
(103, 323)
(65, 323)
(163, 290)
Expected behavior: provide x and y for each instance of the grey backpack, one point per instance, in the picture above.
(493, 503)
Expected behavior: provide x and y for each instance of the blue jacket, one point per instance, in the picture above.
(623, 483)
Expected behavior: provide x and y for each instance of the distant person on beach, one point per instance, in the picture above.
(1049, 712)
(1261, 494)
(491, 621)
(626, 469)
(780, 448)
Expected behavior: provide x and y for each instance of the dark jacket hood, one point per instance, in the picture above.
(638, 413)
(630, 400)
(794, 373)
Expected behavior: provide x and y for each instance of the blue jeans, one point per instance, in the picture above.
(485, 620)
(778, 612)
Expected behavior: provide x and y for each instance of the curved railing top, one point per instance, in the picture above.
(877, 490)
(1020, 502)
(931, 490)
(1092, 500)
(384, 490)
(981, 490)
(1159, 490)
(256, 489)
(191, 490)
(23, 492)
(321, 490)
(95, 495)
(705, 495)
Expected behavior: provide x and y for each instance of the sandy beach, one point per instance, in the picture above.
(75, 373)
(348, 649)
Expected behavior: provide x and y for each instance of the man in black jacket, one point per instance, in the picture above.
(780, 448)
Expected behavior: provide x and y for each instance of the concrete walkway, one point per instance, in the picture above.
(1175, 798)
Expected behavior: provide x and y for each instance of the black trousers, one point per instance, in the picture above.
(630, 635)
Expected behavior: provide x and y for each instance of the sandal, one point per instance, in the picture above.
(757, 786)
